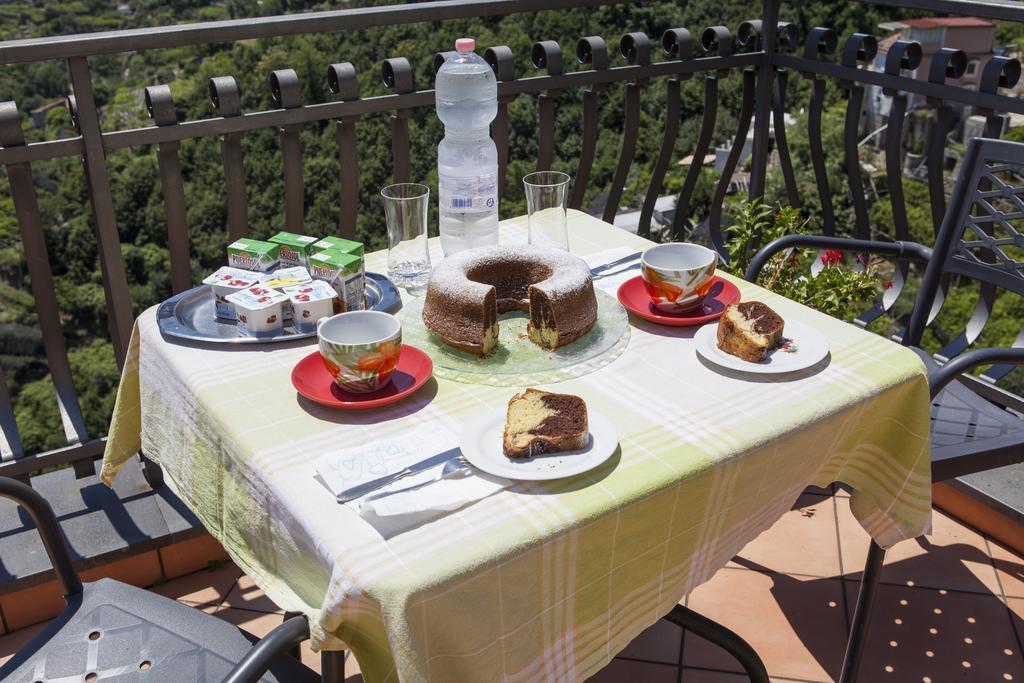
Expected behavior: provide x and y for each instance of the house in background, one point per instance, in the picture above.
(973, 35)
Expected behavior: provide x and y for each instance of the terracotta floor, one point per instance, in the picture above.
(951, 607)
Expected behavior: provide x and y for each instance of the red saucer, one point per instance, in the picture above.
(311, 379)
(634, 297)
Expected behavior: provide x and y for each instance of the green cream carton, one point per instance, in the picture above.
(341, 244)
(342, 271)
(294, 248)
(254, 255)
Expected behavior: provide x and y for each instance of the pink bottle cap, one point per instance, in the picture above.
(465, 44)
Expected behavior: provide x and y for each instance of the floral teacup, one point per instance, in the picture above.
(360, 349)
(678, 275)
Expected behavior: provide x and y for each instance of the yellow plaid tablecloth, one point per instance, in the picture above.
(542, 581)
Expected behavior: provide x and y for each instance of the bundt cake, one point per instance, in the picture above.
(749, 330)
(543, 422)
(468, 290)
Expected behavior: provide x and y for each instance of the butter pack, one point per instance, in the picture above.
(283, 278)
(286, 277)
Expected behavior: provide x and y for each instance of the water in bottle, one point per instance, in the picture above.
(467, 160)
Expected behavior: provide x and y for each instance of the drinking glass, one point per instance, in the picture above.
(405, 206)
(545, 204)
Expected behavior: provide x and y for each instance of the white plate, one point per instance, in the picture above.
(810, 348)
(481, 446)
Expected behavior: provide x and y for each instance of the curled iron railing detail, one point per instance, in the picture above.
(396, 72)
(635, 48)
(343, 84)
(286, 93)
(721, 189)
(547, 54)
(715, 41)
(860, 49)
(593, 51)
(160, 105)
(678, 44)
(227, 100)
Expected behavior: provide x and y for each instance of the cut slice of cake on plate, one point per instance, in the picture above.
(749, 330)
(544, 422)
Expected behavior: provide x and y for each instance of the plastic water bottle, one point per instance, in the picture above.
(467, 160)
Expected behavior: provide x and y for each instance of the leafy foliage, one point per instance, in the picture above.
(835, 289)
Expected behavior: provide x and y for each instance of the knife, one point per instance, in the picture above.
(616, 262)
(360, 490)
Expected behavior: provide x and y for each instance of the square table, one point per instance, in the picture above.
(543, 580)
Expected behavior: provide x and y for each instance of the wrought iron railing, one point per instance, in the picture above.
(765, 52)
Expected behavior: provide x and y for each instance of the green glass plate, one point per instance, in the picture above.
(517, 361)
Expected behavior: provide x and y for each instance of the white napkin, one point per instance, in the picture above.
(414, 499)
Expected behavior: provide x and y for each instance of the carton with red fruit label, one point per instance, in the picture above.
(226, 281)
(310, 302)
(259, 310)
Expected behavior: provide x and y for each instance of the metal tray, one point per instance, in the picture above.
(190, 315)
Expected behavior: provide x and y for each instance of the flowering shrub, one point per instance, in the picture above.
(824, 281)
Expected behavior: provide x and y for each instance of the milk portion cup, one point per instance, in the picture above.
(677, 275)
(259, 310)
(360, 349)
(225, 282)
(310, 303)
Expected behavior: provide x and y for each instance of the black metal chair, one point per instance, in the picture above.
(113, 631)
(981, 239)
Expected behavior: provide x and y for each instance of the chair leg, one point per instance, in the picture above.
(862, 614)
(332, 666)
(152, 472)
(723, 637)
(295, 652)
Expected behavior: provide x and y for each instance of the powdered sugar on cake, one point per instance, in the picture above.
(568, 272)
(468, 290)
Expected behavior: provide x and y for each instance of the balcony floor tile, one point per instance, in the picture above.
(1009, 569)
(920, 634)
(204, 588)
(634, 670)
(247, 595)
(796, 624)
(953, 556)
(802, 542)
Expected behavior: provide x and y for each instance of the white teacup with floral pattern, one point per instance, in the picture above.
(678, 275)
(360, 349)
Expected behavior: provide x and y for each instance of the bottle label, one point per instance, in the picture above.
(470, 194)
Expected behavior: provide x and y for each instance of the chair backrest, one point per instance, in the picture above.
(982, 234)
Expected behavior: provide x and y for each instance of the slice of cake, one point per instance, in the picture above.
(543, 422)
(749, 330)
